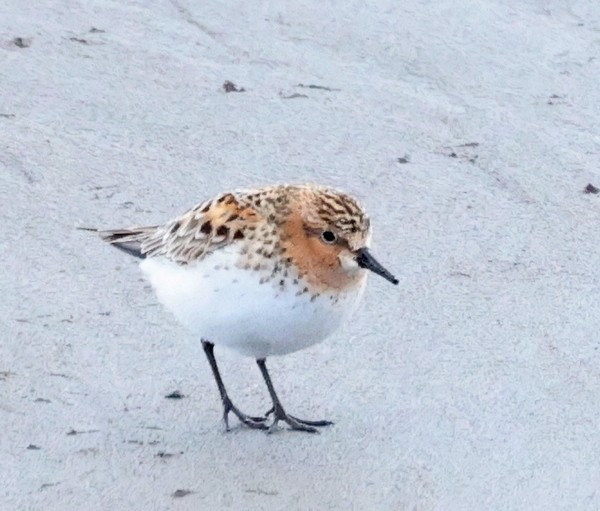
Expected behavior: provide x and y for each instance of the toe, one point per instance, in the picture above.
(318, 424)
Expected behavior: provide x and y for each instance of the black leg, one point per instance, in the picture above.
(279, 414)
(228, 406)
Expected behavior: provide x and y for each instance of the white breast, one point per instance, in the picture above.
(230, 307)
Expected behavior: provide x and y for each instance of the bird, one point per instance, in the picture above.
(264, 272)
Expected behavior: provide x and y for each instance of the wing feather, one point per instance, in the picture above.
(191, 236)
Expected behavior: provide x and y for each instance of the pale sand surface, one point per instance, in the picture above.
(475, 384)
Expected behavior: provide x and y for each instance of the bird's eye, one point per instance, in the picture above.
(328, 237)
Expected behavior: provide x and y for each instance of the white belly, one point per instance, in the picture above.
(230, 307)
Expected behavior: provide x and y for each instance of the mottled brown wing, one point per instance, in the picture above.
(191, 236)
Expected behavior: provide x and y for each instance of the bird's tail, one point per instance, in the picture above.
(129, 241)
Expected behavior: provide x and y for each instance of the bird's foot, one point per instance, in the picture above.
(279, 414)
(248, 420)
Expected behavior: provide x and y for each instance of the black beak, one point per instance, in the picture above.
(367, 261)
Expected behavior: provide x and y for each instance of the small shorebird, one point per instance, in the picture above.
(264, 272)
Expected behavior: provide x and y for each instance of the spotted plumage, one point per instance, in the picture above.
(264, 272)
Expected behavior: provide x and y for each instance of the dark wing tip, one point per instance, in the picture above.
(131, 248)
(127, 240)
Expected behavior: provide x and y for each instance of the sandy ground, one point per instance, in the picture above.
(468, 129)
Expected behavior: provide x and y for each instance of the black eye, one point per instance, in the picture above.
(328, 237)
